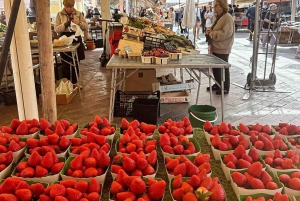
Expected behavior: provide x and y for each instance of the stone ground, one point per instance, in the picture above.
(263, 107)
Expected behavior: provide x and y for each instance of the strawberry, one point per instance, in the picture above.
(8, 158)
(57, 167)
(32, 143)
(214, 130)
(57, 190)
(257, 184)
(14, 146)
(22, 185)
(129, 164)
(294, 183)
(253, 153)
(178, 193)
(92, 197)
(172, 164)
(34, 159)
(24, 194)
(255, 169)
(239, 151)
(271, 185)
(157, 190)
(45, 198)
(230, 165)
(189, 196)
(44, 124)
(247, 158)
(239, 178)
(191, 169)
(22, 129)
(8, 197)
(53, 139)
(116, 187)
(60, 198)
(243, 163)
(218, 193)
(73, 194)
(15, 124)
(222, 146)
(202, 158)
(69, 183)
(94, 186)
(27, 172)
(149, 170)
(142, 163)
(215, 141)
(164, 140)
(41, 171)
(125, 195)
(243, 128)
(194, 181)
(47, 161)
(177, 182)
(137, 186)
(168, 149)
(76, 163)
(207, 126)
(207, 183)
(90, 172)
(223, 128)
(152, 158)
(180, 169)
(64, 142)
(265, 177)
(37, 189)
(284, 178)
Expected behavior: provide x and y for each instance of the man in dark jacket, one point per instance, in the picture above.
(251, 15)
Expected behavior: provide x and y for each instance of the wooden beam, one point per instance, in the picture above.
(44, 34)
(22, 64)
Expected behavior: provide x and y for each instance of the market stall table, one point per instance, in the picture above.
(192, 63)
(73, 50)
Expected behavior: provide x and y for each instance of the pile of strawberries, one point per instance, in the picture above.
(5, 160)
(39, 166)
(135, 188)
(10, 142)
(295, 142)
(100, 126)
(239, 159)
(134, 143)
(72, 190)
(230, 142)
(61, 128)
(172, 144)
(135, 164)
(85, 166)
(291, 181)
(85, 145)
(289, 160)
(255, 129)
(287, 129)
(264, 142)
(277, 197)
(137, 127)
(182, 165)
(196, 188)
(222, 129)
(25, 127)
(14, 189)
(183, 127)
(50, 142)
(254, 178)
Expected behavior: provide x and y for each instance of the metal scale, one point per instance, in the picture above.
(268, 81)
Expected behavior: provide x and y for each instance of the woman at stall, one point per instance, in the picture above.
(172, 16)
(208, 15)
(62, 27)
(270, 24)
(221, 37)
(157, 17)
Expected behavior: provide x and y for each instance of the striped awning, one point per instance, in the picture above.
(27, 3)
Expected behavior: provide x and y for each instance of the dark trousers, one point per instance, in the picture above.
(251, 28)
(181, 29)
(217, 72)
(203, 25)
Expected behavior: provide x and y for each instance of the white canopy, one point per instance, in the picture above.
(183, 1)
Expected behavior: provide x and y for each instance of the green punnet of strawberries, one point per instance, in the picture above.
(135, 164)
(25, 127)
(61, 128)
(254, 178)
(198, 165)
(135, 187)
(50, 142)
(287, 129)
(239, 159)
(267, 197)
(88, 165)
(176, 144)
(289, 160)
(39, 166)
(198, 187)
(264, 142)
(14, 189)
(10, 142)
(100, 126)
(85, 144)
(5, 160)
(255, 129)
(183, 127)
(222, 129)
(290, 179)
(230, 142)
(137, 127)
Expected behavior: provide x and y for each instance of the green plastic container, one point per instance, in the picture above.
(200, 113)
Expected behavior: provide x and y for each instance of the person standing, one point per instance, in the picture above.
(251, 15)
(171, 17)
(198, 22)
(203, 20)
(141, 11)
(180, 17)
(221, 38)
(270, 24)
(208, 19)
(62, 27)
(230, 10)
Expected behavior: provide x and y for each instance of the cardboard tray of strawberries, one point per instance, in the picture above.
(13, 143)
(192, 140)
(146, 149)
(5, 172)
(280, 197)
(296, 198)
(292, 186)
(286, 130)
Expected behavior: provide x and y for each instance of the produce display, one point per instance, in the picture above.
(157, 52)
(258, 161)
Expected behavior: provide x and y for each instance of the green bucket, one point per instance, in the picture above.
(200, 113)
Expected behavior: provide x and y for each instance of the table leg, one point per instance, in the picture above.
(210, 87)
(75, 67)
(181, 75)
(112, 94)
(222, 91)
(199, 84)
(77, 60)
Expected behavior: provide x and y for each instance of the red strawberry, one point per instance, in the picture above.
(253, 153)
(90, 172)
(76, 163)
(126, 195)
(239, 151)
(57, 167)
(57, 190)
(14, 146)
(32, 143)
(104, 159)
(257, 184)
(37, 189)
(191, 169)
(180, 169)
(152, 158)
(24, 194)
(172, 164)
(149, 170)
(157, 190)
(202, 158)
(137, 186)
(34, 159)
(22, 129)
(271, 185)
(214, 130)
(216, 139)
(15, 124)
(243, 128)
(243, 163)
(41, 171)
(73, 194)
(44, 124)
(207, 183)
(223, 128)
(164, 140)
(177, 182)
(92, 197)
(47, 161)
(116, 187)
(129, 164)
(45, 198)
(64, 142)
(8, 157)
(222, 146)
(8, 197)
(265, 177)
(69, 183)
(255, 169)
(239, 178)
(94, 186)
(207, 126)
(178, 193)
(194, 181)
(22, 185)
(53, 139)
(218, 193)
(230, 165)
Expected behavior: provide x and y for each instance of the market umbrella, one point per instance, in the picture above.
(189, 16)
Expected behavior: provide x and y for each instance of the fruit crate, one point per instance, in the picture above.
(153, 42)
(146, 110)
(123, 106)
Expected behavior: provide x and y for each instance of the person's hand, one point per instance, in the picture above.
(67, 24)
(75, 21)
(207, 31)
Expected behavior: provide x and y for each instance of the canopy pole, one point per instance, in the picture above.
(44, 34)
(22, 64)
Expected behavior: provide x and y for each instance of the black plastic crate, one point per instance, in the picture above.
(151, 42)
(124, 101)
(146, 110)
(8, 97)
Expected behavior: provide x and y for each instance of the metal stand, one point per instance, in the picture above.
(267, 83)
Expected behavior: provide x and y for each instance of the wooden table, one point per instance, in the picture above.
(194, 64)
(73, 50)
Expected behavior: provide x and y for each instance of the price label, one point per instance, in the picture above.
(127, 49)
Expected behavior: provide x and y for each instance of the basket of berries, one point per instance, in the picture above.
(161, 56)
(175, 54)
(148, 57)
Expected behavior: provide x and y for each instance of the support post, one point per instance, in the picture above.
(293, 10)
(44, 34)
(105, 11)
(22, 63)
